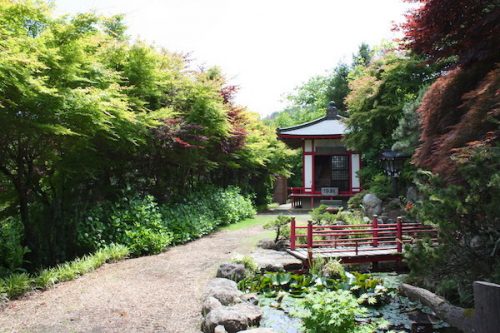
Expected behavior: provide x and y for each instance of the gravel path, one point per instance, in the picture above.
(160, 293)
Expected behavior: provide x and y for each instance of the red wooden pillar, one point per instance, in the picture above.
(310, 241)
(399, 234)
(375, 231)
(292, 234)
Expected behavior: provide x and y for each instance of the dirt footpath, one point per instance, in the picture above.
(160, 293)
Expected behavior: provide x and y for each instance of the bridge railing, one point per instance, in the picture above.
(357, 238)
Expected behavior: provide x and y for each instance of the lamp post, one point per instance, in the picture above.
(392, 162)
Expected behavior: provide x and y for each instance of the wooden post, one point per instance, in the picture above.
(375, 230)
(356, 242)
(292, 233)
(399, 234)
(310, 241)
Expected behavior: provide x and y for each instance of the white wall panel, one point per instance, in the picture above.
(308, 163)
(355, 163)
(308, 146)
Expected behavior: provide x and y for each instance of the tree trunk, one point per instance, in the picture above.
(453, 315)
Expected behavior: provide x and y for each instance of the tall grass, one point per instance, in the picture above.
(18, 284)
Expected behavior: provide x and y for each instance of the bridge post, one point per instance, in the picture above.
(399, 234)
(375, 231)
(310, 241)
(292, 233)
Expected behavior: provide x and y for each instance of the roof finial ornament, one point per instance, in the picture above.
(331, 111)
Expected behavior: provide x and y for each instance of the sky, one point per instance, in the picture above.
(266, 47)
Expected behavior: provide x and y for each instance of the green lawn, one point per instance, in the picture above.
(256, 220)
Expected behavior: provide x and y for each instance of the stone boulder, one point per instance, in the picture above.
(412, 194)
(231, 271)
(224, 290)
(372, 205)
(220, 329)
(282, 245)
(267, 244)
(251, 298)
(234, 318)
(275, 261)
(210, 304)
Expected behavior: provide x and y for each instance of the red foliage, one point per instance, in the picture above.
(228, 92)
(461, 109)
(238, 133)
(469, 29)
(175, 133)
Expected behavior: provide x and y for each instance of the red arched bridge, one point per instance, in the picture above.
(359, 243)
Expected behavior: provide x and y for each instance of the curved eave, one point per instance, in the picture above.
(291, 128)
(305, 137)
(295, 141)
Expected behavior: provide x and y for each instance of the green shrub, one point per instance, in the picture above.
(135, 222)
(203, 211)
(278, 225)
(332, 312)
(113, 253)
(16, 284)
(355, 202)
(248, 262)
(350, 217)
(466, 214)
(320, 215)
(71, 270)
(11, 251)
(145, 228)
(333, 269)
(46, 278)
(381, 186)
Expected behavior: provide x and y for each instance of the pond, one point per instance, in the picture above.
(282, 305)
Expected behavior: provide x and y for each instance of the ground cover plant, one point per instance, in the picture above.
(15, 285)
(330, 299)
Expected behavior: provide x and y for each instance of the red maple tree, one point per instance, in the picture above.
(461, 109)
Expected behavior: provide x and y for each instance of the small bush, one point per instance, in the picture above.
(333, 269)
(248, 262)
(135, 222)
(12, 252)
(332, 312)
(279, 225)
(320, 215)
(356, 201)
(205, 210)
(381, 186)
(16, 284)
(46, 279)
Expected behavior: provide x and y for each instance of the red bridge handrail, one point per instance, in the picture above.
(356, 238)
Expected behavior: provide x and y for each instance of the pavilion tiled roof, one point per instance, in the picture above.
(329, 125)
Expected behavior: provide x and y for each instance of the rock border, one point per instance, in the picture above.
(226, 309)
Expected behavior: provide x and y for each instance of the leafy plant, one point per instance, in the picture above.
(278, 225)
(332, 312)
(16, 284)
(247, 261)
(203, 211)
(320, 215)
(333, 269)
(11, 248)
(135, 222)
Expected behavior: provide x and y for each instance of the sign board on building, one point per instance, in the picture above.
(330, 191)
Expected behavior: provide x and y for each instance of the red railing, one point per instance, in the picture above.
(361, 238)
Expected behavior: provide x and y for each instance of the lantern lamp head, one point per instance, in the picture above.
(393, 162)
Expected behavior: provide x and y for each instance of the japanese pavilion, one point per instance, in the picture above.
(329, 169)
